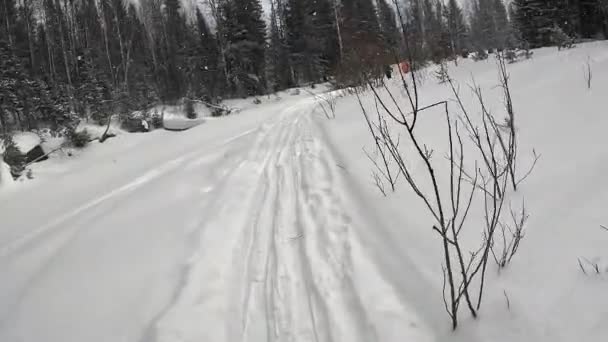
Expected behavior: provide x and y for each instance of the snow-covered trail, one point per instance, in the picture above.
(246, 237)
(284, 263)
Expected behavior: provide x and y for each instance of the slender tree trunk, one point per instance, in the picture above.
(104, 29)
(49, 51)
(73, 33)
(2, 121)
(121, 44)
(128, 61)
(220, 38)
(65, 54)
(339, 29)
(8, 25)
(30, 40)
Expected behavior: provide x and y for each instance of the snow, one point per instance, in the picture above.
(266, 226)
(550, 298)
(25, 141)
(174, 117)
(96, 131)
(6, 178)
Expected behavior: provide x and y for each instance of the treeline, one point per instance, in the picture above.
(63, 60)
(538, 20)
(92, 57)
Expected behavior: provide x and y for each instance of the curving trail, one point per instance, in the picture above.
(249, 239)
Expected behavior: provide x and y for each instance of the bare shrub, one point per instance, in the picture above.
(510, 237)
(592, 266)
(588, 73)
(492, 174)
(441, 74)
(327, 102)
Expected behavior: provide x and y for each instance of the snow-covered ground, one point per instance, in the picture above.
(266, 226)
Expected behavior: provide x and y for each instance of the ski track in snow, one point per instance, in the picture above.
(275, 262)
(273, 253)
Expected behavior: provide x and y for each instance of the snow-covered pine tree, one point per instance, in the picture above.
(8, 14)
(502, 29)
(364, 53)
(432, 24)
(244, 33)
(176, 33)
(388, 27)
(325, 32)
(312, 39)
(208, 53)
(532, 21)
(413, 29)
(304, 51)
(279, 69)
(456, 28)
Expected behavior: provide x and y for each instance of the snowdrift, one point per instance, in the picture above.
(175, 119)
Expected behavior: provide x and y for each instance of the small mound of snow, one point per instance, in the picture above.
(25, 141)
(96, 131)
(174, 118)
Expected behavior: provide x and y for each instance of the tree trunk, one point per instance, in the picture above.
(121, 45)
(339, 30)
(8, 25)
(30, 42)
(65, 54)
(104, 29)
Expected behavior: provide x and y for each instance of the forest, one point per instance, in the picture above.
(63, 61)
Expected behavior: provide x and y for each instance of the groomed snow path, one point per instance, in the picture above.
(248, 235)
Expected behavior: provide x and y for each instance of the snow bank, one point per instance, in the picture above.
(543, 295)
(174, 117)
(96, 131)
(25, 141)
(6, 178)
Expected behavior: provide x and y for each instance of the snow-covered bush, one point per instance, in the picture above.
(189, 109)
(156, 120)
(135, 122)
(219, 111)
(560, 38)
(79, 139)
(480, 55)
(13, 156)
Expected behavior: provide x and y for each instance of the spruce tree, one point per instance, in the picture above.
(414, 32)
(208, 55)
(175, 28)
(311, 37)
(501, 25)
(304, 51)
(532, 21)
(325, 32)
(244, 33)
(8, 15)
(432, 31)
(388, 26)
(279, 68)
(456, 27)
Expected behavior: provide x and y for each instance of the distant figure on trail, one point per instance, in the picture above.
(405, 67)
(388, 70)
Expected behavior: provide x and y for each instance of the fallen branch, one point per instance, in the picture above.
(45, 155)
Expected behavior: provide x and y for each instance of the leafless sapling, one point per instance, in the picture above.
(395, 131)
(588, 73)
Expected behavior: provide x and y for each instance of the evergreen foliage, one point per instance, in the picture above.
(63, 60)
